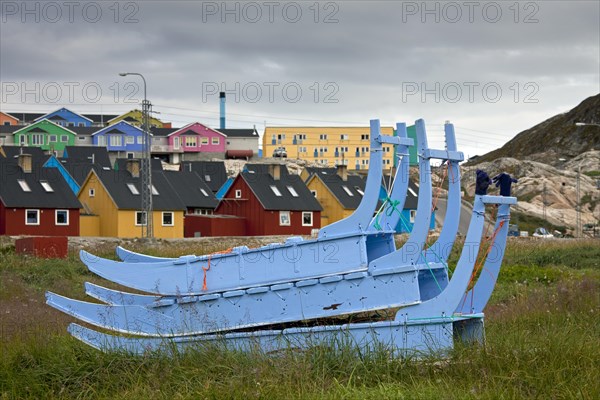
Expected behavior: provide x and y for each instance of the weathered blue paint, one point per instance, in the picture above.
(278, 283)
(121, 136)
(53, 162)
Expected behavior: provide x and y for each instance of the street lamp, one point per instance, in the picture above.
(146, 169)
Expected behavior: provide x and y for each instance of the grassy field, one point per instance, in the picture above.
(542, 328)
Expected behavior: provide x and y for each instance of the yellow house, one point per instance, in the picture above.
(338, 192)
(326, 145)
(115, 198)
(135, 118)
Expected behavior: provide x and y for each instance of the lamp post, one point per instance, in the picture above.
(146, 168)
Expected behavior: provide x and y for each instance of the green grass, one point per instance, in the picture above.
(542, 331)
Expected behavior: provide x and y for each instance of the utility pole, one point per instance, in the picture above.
(544, 200)
(146, 168)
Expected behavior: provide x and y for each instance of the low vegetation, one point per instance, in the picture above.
(542, 328)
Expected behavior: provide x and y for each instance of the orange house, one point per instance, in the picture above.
(7, 119)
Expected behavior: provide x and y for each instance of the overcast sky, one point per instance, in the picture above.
(492, 68)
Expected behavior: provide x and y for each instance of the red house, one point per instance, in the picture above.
(35, 201)
(272, 202)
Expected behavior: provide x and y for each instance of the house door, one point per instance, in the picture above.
(176, 143)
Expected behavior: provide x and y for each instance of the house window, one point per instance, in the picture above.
(348, 192)
(314, 193)
(344, 136)
(37, 139)
(46, 186)
(284, 218)
(140, 140)
(307, 218)
(61, 217)
(52, 138)
(6, 123)
(130, 140)
(204, 192)
(238, 194)
(275, 191)
(102, 140)
(190, 141)
(204, 140)
(130, 155)
(64, 138)
(215, 140)
(80, 124)
(133, 189)
(413, 214)
(359, 190)
(207, 178)
(140, 218)
(167, 219)
(24, 185)
(154, 191)
(32, 217)
(364, 137)
(116, 140)
(292, 191)
(92, 192)
(323, 137)
(70, 124)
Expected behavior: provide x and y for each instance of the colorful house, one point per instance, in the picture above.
(198, 141)
(338, 192)
(135, 118)
(7, 119)
(46, 135)
(114, 198)
(241, 143)
(122, 139)
(273, 203)
(67, 118)
(35, 200)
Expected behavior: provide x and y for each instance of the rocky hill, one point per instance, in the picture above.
(555, 138)
(557, 186)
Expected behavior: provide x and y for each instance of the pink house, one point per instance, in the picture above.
(198, 142)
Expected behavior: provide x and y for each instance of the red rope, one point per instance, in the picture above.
(205, 269)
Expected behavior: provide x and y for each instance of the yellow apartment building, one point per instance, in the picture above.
(327, 145)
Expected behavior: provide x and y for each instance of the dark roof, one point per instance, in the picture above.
(79, 170)
(85, 153)
(12, 195)
(10, 128)
(264, 168)
(215, 170)
(116, 182)
(188, 187)
(261, 183)
(100, 118)
(336, 185)
(312, 170)
(25, 117)
(162, 131)
(85, 130)
(121, 164)
(239, 132)
(12, 152)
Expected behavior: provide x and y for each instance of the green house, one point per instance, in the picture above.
(45, 134)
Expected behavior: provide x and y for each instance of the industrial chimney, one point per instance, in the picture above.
(222, 119)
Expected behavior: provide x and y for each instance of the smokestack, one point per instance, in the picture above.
(24, 161)
(342, 171)
(275, 171)
(222, 101)
(133, 166)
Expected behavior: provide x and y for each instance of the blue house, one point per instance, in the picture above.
(120, 137)
(67, 118)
